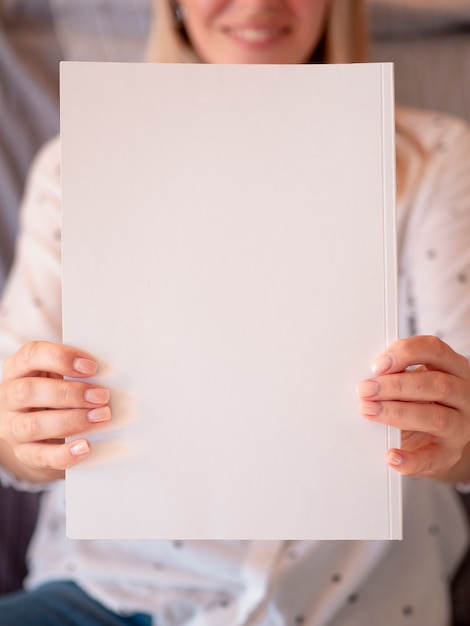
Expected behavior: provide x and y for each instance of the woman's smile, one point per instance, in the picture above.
(256, 36)
(254, 31)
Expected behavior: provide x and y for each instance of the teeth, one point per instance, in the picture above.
(251, 34)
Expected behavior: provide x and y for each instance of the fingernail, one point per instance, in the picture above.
(372, 409)
(395, 458)
(85, 366)
(101, 414)
(368, 388)
(97, 395)
(382, 364)
(80, 447)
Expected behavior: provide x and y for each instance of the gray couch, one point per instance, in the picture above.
(35, 35)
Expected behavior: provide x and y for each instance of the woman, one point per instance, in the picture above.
(256, 583)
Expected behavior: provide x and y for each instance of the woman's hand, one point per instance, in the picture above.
(39, 409)
(430, 404)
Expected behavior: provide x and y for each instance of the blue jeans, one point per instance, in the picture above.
(61, 604)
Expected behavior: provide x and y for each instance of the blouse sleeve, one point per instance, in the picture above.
(436, 258)
(30, 308)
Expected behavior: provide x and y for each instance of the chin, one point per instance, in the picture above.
(244, 58)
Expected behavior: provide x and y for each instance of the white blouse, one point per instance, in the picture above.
(270, 583)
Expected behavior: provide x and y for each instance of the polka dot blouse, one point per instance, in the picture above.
(274, 583)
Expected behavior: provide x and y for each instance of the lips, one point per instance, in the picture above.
(256, 35)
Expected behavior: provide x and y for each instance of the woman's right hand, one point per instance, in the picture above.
(39, 409)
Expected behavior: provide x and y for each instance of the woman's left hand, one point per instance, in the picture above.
(429, 403)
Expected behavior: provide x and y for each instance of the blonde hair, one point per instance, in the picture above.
(344, 38)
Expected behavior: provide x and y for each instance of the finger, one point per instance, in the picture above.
(41, 356)
(53, 456)
(33, 393)
(412, 440)
(421, 350)
(437, 420)
(418, 386)
(428, 461)
(59, 424)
